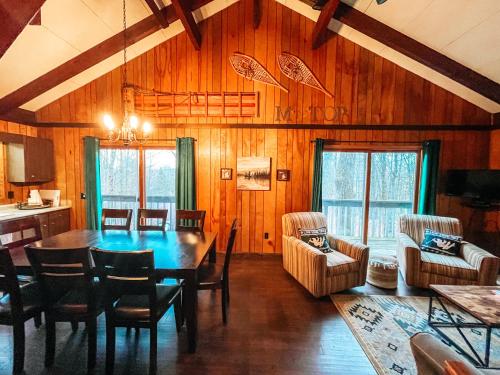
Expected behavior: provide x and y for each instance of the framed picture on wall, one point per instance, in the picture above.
(253, 173)
(283, 175)
(226, 173)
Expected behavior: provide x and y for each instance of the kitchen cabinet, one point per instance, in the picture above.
(52, 223)
(30, 161)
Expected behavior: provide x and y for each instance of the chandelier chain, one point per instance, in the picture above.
(124, 43)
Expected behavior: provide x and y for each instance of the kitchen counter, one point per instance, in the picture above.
(10, 212)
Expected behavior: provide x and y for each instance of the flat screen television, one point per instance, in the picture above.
(479, 185)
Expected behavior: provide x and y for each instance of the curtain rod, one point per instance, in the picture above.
(389, 142)
(153, 140)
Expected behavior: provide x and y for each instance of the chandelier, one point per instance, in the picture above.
(132, 130)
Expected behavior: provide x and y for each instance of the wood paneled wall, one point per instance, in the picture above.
(371, 89)
(20, 192)
(260, 212)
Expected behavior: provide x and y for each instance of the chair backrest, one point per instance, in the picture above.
(114, 214)
(190, 220)
(415, 225)
(8, 281)
(230, 246)
(158, 216)
(295, 221)
(61, 270)
(126, 273)
(20, 232)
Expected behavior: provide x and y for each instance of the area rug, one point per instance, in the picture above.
(383, 326)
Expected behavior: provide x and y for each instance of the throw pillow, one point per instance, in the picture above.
(316, 238)
(440, 243)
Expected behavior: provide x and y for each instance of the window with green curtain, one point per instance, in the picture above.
(429, 177)
(93, 200)
(185, 178)
(317, 193)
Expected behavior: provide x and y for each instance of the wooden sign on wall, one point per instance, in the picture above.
(197, 104)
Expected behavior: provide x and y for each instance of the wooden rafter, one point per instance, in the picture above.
(321, 25)
(183, 11)
(417, 51)
(14, 16)
(87, 59)
(37, 19)
(160, 16)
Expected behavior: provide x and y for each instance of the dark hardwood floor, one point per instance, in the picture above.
(274, 327)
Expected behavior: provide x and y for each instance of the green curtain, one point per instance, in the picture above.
(317, 185)
(429, 177)
(185, 182)
(92, 183)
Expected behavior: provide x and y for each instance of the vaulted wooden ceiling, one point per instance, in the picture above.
(455, 44)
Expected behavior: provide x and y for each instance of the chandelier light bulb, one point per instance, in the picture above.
(108, 122)
(146, 127)
(134, 122)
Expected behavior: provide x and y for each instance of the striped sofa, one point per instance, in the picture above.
(474, 266)
(320, 273)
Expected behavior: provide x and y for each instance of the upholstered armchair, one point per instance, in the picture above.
(474, 266)
(321, 273)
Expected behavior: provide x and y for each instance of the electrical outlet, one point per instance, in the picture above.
(83, 196)
(266, 236)
(10, 195)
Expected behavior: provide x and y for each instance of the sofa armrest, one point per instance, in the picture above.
(305, 263)
(486, 263)
(408, 258)
(353, 249)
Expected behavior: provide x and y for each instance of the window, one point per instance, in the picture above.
(365, 192)
(138, 177)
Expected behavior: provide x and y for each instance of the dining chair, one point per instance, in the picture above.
(69, 294)
(215, 276)
(132, 298)
(145, 214)
(116, 214)
(19, 304)
(190, 220)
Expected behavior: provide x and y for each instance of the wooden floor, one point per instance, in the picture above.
(275, 327)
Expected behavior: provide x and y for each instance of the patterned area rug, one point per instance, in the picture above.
(383, 326)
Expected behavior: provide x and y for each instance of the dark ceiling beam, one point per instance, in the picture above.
(14, 16)
(183, 11)
(418, 51)
(162, 20)
(37, 19)
(21, 116)
(319, 31)
(87, 59)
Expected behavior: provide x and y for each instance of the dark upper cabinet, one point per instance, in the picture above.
(31, 161)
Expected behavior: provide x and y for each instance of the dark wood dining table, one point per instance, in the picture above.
(177, 255)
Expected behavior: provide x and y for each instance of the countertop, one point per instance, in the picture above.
(10, 212)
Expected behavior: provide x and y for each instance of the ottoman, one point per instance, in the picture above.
(383, 271)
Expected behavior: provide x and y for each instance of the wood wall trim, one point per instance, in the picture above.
(417, 51)
(87, 59)
(320, 28)
(15, 15)
(286, 127)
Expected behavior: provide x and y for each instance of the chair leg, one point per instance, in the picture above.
(152, 349)
(19, 339)
(110, 348)
(223, 302)
(92, 338)
(50, 341)
(38, 320)
(226, 281)
(178, 314)
(74, 326)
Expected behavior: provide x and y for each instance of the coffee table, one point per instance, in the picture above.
(481, 302)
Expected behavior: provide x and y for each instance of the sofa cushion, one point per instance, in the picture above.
(446, 265)
(441, 243)
(316, 238)
(338, 263)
